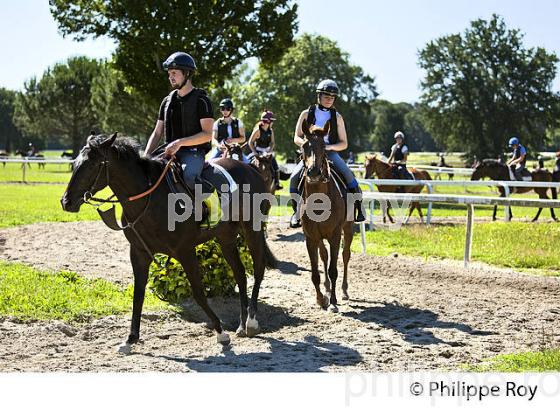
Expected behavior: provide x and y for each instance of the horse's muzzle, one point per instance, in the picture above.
(68, 205)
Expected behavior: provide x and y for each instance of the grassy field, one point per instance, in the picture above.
(30, 294)
(542, 361)
(22, 204)
(531, 247)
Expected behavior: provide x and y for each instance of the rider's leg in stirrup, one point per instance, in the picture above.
(295, 195)
(276, 173)
(351, 184)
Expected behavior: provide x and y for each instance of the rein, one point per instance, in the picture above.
(109, 217)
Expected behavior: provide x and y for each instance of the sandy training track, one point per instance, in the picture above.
(404, 314)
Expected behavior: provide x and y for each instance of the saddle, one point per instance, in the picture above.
(525, 174)
(214, 181)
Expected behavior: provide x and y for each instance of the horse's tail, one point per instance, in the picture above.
(270, 260)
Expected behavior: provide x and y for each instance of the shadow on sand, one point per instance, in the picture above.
(412, 323)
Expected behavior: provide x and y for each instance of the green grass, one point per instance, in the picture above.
(30, 294)
(516, 245)
(543, 361)
(22, 204)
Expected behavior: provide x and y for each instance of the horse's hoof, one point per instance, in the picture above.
(332, 309)
(223, 338)
(324, 302)
(240, 332)
(252, 327)
(124, 348)
(345, 296)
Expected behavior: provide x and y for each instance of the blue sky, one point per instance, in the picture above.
(381, 36)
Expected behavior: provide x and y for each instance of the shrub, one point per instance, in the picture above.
(169, 281)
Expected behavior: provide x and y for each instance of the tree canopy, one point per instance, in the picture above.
(288, 88)
(483, 86)
(219, 35)
(59, 104)
(10, 136)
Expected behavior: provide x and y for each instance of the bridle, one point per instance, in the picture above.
(109, 217)
(325, 163)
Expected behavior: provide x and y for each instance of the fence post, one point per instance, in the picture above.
(468, 239)
(506, 194)
(23, 168)
(429, 215)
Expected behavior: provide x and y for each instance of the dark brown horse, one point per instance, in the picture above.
(498, 171)
(263, 164)
(329, 224)
(116, 163)
(383, 170)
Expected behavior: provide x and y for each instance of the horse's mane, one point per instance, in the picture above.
(128, 149)
(491, 162)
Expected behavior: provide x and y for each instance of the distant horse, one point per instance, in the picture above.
(318, 180)
(556, 170)
(493, 169)
(383, 170)
(68, 155)
(36, 156)
(442, 164)
(116, 163)
(233, 151)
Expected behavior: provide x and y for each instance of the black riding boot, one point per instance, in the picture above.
(277, 180)
(358, 206)
(294, 220)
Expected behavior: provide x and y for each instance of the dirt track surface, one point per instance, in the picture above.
(404, 314)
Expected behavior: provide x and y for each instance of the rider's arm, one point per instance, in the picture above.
(155, 138)
(272, 142)
(254, 136)
(342, 143)
(215, 134)
(298, 134)
(200, 137)
(241, 138)
(390, 159)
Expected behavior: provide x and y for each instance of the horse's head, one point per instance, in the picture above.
(90, 173)
(263, 162)
(233, 151)
(490, 168)
(314, 153)
(369, 165)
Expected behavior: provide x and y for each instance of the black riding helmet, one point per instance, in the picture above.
(327, 87)
(179, 61)
(227, 103)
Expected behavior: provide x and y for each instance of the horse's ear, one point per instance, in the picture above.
(109, 141)
(305, 127)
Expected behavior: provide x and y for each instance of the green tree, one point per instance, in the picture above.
(59, 104)
(389, 118)
(218, 34)
(288, 87)
(10, 136)
(483, 86)
(418, 137)
(120, 107)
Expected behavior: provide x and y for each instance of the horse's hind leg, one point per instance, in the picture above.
(312, 248)
(348, 236)
(554, 196)
(256, 243)
(325, 258)
(231, 255)
(419, 208)
(190, 266)
(140, 261)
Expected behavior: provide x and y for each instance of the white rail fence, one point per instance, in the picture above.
(433, 169)
(430, 184)
(469, 201)
(27, 161)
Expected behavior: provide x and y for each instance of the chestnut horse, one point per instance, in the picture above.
(329, 224)
(383, 170)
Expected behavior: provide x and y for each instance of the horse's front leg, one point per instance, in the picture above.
(334, 243)
(348, 236)
(140, 264)
(190, 266)
(325, 258)
(312, 250)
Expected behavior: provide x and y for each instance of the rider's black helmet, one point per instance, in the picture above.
(179, 61)
(327, 87)
(227, 103)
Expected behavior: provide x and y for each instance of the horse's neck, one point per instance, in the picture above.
(382, 169)
(129, 178)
